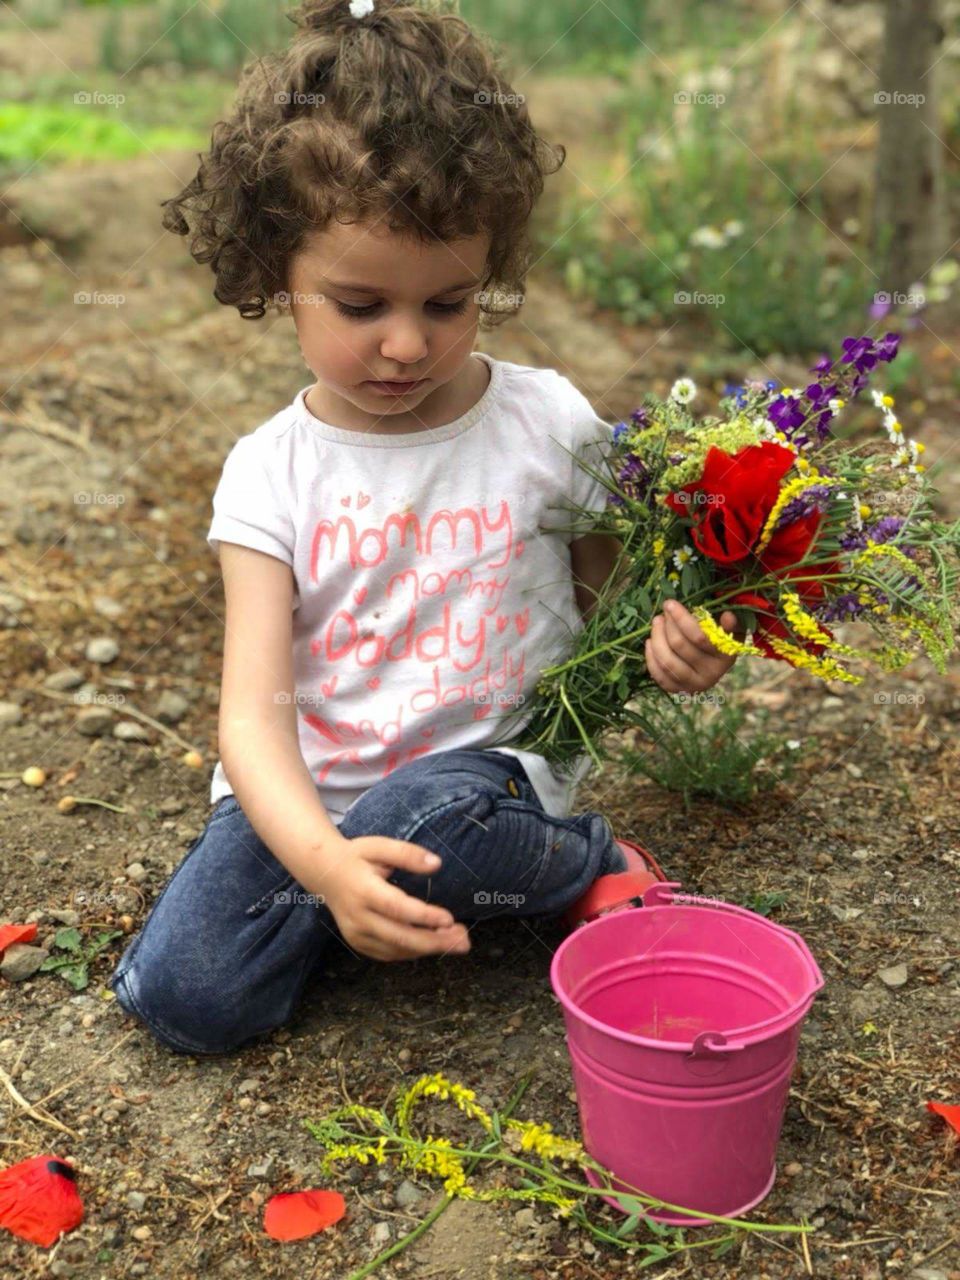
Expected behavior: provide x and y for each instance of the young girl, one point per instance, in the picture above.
(396, 544)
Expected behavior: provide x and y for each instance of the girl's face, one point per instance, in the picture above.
(373, 308)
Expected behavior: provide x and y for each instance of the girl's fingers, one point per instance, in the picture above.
(679, 640)
(411, 942)
(394, 903)
(671, 673)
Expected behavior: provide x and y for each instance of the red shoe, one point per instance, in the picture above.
(619, 889)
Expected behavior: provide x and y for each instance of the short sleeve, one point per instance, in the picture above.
(250, 505)
(590, 440)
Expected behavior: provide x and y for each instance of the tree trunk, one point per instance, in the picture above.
(908, 224)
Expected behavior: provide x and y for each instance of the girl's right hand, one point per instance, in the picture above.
(379, 919)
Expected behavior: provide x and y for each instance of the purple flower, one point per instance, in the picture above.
(786, 413)
(823, 365)
(888, 346)
(639, 417)
(879, 308)
(619, 431)
(842, 609)
(813, 499)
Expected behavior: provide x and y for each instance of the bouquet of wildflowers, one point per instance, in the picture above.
(765, 511)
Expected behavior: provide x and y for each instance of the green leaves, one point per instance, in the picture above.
(73, 967)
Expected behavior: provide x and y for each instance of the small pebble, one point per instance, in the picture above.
(792, 1169)
(136, 1200)
(263, 1109)
(245, 1103)
(381, 1233)
(141, 1233)
(136, 871)
(404, 1055)
(895, 976)
(10, 713)
(250, 1085)
(102, 649)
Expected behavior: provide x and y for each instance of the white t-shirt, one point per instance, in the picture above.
(432, 583)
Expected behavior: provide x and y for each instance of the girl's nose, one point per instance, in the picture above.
(404, 341)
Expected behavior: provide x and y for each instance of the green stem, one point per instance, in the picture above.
(405, 1241)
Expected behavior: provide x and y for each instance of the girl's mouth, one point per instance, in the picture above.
(397, 388)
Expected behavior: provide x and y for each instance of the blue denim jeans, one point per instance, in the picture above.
(227, 947)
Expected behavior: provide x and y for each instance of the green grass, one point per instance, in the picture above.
(37, 131)
(787, 282)
(705, 747)
(212, 36)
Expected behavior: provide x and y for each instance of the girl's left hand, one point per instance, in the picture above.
(680, 657)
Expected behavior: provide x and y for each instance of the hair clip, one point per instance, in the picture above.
(360, 8)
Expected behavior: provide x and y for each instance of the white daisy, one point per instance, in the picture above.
(708, 238)
(360, 8)
(683, 556)
(683, 390)
(733, 228)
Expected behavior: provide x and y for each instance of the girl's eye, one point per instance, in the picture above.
(441, 308)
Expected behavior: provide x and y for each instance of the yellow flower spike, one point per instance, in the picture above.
(786, 494)
(823, 668)
(721, 639)
(802, 463)
(673, 576)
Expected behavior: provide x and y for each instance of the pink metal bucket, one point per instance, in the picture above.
(683, 1019)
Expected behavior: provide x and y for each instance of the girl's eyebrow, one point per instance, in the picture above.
(365, 288)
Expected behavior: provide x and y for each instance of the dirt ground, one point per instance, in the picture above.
(115, 422)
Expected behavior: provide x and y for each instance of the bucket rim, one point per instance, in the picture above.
(732, 1039)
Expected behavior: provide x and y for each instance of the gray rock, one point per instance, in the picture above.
(895, 976)
(131, 731)
(95, 722)
(250, 1085)
(381, 1233)
(136, 871)
(107, 607)
(21, 961)
(102, 649)
(407, 1195)
(928, 1273)
(260, 1170)
(171, 707)
(67, 916)
(525, 1219)
(136, 1200)
(10, 713)
(61, 681)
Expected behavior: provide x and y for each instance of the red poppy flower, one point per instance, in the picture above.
(11, 933)
(39, 1199)
(730, 502)
(302, 1213)
(949, 1111)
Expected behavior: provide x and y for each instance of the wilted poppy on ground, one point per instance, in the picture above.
(302, 1213)
(949, 1111)
(39, 1199)
(11, 933)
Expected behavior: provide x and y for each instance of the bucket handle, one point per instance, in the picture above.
(709, 1044)
(661, 893)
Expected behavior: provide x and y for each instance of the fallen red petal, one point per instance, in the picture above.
(302, 1213)
(949, 1111)
(11, 933)
(39, 1199)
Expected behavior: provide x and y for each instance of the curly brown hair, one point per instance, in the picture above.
(400, 116)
